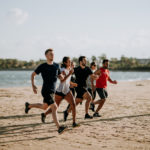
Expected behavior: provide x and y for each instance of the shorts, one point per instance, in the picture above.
(80, 92)
(102, 93)
(93, 94)
(48, 97)
(60, 94)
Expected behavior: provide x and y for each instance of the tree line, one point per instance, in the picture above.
(123, 63)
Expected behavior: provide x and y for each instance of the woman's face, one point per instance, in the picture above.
(93, 67)
(68, 63)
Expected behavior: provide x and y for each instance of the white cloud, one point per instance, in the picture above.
(17, 16)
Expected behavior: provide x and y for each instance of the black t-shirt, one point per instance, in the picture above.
(82, 75)
(49, 74)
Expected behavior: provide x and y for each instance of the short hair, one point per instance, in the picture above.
(105, 60)
(93, 64)
(48, 50)
(81, 58)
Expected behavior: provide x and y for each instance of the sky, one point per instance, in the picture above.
(74, 27)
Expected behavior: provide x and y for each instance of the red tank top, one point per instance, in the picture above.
(101, 82)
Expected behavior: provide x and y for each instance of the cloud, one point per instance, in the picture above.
(17, 16)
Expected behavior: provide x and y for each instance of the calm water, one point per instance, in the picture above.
(22, 78)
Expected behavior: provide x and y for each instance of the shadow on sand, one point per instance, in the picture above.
(32, 128)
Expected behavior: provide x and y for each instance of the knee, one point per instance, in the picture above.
(45, 107)
(89, 98)
(54, 107)
(103, 100)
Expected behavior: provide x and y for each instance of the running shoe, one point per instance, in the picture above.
(96, 115)
(43, 117)
(62, 129)
(87, 116)
(27, 107)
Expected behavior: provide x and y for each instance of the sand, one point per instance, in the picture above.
(125, 122)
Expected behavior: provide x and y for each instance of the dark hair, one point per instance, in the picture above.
(92, 64)
(105, 60)
(63, 65)
(48, 50)
(81, 58)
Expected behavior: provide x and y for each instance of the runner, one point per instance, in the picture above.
(63, 91)
(82, 72)
(101, 85)
(89, 86)
(49, 71)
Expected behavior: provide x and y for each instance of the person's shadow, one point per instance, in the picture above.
(32, 128)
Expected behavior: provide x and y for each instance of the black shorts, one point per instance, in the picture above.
(93, 94)
(80, 92)
(48, 97)
(60, 94)
(102, 93)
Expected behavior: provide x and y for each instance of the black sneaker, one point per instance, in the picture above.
(87, 116)
(96, 115)
(92, 107)
(65, 115)
(74, 125)
(27, 107)
(43, 117)
(62, 129)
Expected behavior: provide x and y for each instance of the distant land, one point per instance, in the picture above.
(122, 64)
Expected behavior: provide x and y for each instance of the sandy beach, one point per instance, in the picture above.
(125, 122)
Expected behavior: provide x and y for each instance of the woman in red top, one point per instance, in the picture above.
(101, 85)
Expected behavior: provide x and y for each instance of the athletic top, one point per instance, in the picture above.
(101, 82)
(88, 82)
(64, 87)
(49, 75)
(82, 75)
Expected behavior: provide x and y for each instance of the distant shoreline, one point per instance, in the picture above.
(109, 69)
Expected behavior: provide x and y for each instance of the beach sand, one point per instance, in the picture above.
(124, 125)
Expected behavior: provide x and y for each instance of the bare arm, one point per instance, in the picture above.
(111, 81)
(66, 76)
(32, 81)
(73, 84)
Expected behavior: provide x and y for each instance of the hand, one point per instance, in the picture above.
(71, 71)
(61, 77)
(75, 84)
(115, 82)
(34, 89)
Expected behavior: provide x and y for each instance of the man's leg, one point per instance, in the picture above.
(28, 106)
(101, 103)
(88, 100)
(57, 100)
(61, 129)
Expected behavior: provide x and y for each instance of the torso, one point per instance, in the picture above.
(101, 82)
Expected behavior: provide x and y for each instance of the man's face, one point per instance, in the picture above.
(106, 65)
(83, 62)
(50, 56)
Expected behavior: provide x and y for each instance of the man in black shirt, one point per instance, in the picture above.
(82, 72)
(49, 72)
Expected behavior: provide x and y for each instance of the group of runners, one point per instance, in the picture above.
(76, 84)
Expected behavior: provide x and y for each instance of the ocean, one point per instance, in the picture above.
(22, 78)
